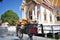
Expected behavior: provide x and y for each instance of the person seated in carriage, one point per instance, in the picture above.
(27, 25)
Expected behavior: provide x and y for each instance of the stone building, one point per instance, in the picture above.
(44, 11)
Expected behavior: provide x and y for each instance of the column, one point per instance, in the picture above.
(35, 12)
(56, 2)
(27, 13)
(24, 12)
(39, 19)
(52, 2)
(39, 16)
(33, 16)
(53, 19)
(48, 16)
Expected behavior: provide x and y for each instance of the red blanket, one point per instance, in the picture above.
(33, 30)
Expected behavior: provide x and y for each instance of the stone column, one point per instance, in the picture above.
(52, 2)
(39, 16)
(33, 16)
(27, 13)
(35, 12)
(53, 19)
(24, 14)
(39, 19)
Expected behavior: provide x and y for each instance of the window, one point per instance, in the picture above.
(50, 18)
(30, 17)
(44, 16)
(58, 18)
(30, 14)
(38, 14)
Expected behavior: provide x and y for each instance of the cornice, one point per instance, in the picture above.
(48, 6)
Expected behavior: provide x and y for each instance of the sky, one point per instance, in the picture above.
(11, 5)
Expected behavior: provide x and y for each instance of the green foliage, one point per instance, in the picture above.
(10, 17)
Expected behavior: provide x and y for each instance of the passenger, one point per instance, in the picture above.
(35, 23)
(28, 29)
(34, 27)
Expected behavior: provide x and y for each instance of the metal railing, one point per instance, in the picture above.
(53, 28)
(52, 31)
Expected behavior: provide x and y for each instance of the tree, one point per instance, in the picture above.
(10, 17)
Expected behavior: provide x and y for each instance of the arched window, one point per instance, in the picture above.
(30, 14)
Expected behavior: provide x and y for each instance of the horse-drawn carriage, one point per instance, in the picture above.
(26, 26)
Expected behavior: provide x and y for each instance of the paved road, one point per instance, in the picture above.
(25, 37)
(11, 35)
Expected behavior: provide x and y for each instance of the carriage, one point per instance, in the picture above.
(29, 28)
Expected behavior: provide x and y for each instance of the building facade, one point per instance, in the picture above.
(44, 11)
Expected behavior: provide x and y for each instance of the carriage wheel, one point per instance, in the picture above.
(20, 34)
